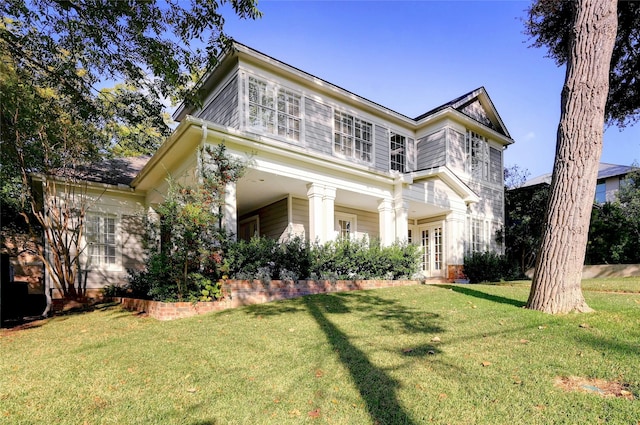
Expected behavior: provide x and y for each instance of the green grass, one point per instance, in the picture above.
(351, 358)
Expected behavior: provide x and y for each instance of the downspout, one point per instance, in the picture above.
(48, 291)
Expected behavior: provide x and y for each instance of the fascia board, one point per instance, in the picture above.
(161, 152)
(95, 186)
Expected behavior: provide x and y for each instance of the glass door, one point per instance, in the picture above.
(431, 244)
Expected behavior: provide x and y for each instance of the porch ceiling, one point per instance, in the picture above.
(258, 188)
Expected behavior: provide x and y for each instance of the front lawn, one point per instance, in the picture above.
(450, 354)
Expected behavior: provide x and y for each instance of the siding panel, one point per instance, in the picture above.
(318, 126)
(456, 152)
(300, 219)
(367, 221)
(431, 150)
(495, 166)
(381, 149)
(224, 108)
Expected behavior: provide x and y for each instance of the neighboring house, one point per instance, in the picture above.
(324, 163)
(610, 177)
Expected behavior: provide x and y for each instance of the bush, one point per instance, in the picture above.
(266, 259)
(347, 260)
(489, 267)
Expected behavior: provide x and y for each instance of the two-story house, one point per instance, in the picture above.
(326, 163)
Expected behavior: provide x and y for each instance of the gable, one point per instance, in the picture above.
(475, 105)
(476, 111)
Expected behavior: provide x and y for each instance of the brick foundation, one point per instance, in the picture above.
(243, 292)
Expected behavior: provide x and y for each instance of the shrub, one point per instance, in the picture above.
(347, 259)
(489, 267)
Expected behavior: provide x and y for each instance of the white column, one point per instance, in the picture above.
(230, 212)
(315, 193)
(402, 220)
(328, 201)
(385, 220)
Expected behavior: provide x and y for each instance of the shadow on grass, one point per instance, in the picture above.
(624, 348)
(376, 388)
(466, 290)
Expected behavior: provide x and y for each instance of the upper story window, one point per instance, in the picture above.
(398, 152)
(601, 192)
(353, 137)
(477, 151)
(102, 242)
(274, 110)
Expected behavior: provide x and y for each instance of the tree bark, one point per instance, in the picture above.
(558, 273)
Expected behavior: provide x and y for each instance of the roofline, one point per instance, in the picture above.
(107, 187)
(240, 50)
(450, 111)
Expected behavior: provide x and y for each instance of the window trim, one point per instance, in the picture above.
(403, 165)
(273, 92)
(353, 221)
(87, 256)
(477, 149)
(355, 127)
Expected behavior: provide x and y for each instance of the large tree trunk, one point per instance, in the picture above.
(556, 281)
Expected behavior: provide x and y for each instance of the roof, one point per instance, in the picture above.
(605, 171)
(116, 171)
(460, 104)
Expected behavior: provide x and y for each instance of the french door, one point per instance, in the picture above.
(431, 245)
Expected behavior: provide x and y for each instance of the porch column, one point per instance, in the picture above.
(385, 221)
(329, 213)
(230, 212)
(402, 220)
(315, 193)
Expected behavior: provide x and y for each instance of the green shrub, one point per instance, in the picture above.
(488, 267)
(347, 260)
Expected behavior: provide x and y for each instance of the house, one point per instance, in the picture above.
(324, 163)
(610, 176)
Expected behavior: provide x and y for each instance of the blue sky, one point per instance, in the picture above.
(412, 56)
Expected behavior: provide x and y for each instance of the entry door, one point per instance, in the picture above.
(432, 254)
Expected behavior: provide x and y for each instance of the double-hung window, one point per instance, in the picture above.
(477, 156)
(479, 239)
(102, 241)
(353, 137)
(274, 110)
(398, 152)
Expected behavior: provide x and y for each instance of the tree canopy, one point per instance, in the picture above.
(549, 24)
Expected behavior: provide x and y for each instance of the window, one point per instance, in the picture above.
(101, 238)
(353, 137)
(274, 110)
(601, 192)
(478, 236)
(398, 152)
(477, 151)
(346, 226)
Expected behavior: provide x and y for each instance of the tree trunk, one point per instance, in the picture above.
(556, 281)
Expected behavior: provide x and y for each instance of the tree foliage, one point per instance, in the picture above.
(524, 220)
(549, 24)
(190, 231)
(56, 57)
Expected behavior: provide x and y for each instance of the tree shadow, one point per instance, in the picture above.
(376, 387)
(483, 295)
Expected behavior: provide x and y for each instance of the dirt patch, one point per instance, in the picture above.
(596, 386)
